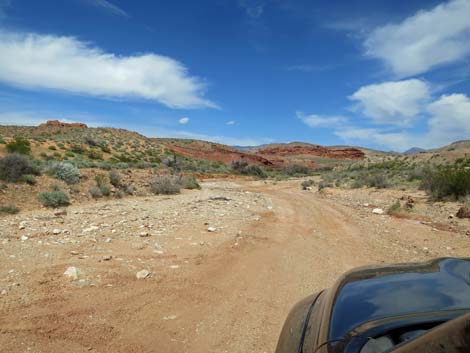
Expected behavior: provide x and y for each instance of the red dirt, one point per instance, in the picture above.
(221, 153)
(320, 151)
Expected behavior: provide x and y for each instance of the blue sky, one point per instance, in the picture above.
(382, 74)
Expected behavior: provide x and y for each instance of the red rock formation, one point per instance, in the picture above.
(220, 153)
(57, 123)
(302, 150)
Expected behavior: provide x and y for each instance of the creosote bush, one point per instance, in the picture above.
(165, 185)
(8, 209)
(189, 182)
(64, 171)
(14, 166)
(54, 198)
(447, 182)
(114, 178)
(19, 145)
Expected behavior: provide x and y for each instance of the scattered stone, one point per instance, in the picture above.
(90, 229)
(211, 229)
(142, 274)
(108, 240)
(56, 231)
(24, 238)
(60, 212)
(107, 257)
(144, 234)
(174, 267)
(378, 211)
(73, 252)
(82, 283)
(138, 246)
(169, 317)
(73, 273)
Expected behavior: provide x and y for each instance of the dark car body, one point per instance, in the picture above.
(393, 304)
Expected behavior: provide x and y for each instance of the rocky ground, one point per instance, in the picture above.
(214, 270)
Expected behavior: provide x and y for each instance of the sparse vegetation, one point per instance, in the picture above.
(54, 198)
(14, 166)
(64, 171)
(165, 185)
(19, 145)
(28, 179)
(95, 192)
(189, 182)
(241, 166)
(114, 178)
(447, 182)
(8, 209)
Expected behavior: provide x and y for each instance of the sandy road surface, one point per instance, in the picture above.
(233, 296)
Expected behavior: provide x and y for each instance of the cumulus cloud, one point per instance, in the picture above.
(449, 121)
(395, 103)
(314, 120)
(108, 6)
(183, 121)
(425, 40)
(67, 64)
(231, 122)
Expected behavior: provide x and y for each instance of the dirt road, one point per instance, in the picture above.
(230, 297)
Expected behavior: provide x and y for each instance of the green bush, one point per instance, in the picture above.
(189, 182)
(165, 185)
(105, 190)
(54, 198)
(9, 209)
(297, 169)
(241, 166)
(95, 192)
(28, 179)
(14, 166)
(19, 145)
(94, 154)
(377, 180)
(114, 178)
(447, 182)
(64, 171)
(52, 148)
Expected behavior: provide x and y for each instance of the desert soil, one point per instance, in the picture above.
(226, 264)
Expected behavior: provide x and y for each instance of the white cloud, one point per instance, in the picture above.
(183, 121)
(395, 103)
(449, 121)
(68, 64)
(450, 118)
(314, 120)
(425, 40)
(253, 8)
(231, 122)
(34, 118)
(108, 6)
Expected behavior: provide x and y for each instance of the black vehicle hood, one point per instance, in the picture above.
(375, 293)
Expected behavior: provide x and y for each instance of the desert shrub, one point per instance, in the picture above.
(105, 190)
(52, 148)
(94, 154)
(128, 189)
(297, 169)
(54, 198)
(447, 182)
(165, 185)
(394, 208)
(101, 180)
(241, 166)
(69, 154)
(14, 166)
(95, 192)
(120, 194)
(377, 180)
(306, 184)
(322, 185)
(28, 179)
(64, 171)
(19, 145)
(114, 178)
(357, 184)
(189, 182)
(8, 209)
(90, 141)
(78, 149)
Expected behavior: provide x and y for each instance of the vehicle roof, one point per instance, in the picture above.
(376, 293)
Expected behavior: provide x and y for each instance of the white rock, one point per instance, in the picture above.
(56, 231)
(73, 273)
(24, 238)
(142, 274)
(211, 229)
(169, 317)
(378, 211)
(90, 229)
(144, 234)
